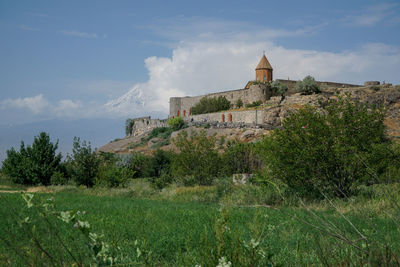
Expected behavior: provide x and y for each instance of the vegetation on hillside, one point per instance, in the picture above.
(211, 104)
(307, 86)
(317, 153)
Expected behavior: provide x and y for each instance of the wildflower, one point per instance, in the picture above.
(222, 262)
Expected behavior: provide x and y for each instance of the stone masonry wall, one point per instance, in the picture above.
(184, 104)
(146, 124)
(292, 83)
(244, 116)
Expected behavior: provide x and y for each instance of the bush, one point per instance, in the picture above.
(84, 164)
(58, 178)
(254, 104)
(129, 123)
(329, 151)
(209, 105)
(139, 164)
(176, 123)
(198, 161)
(34, 164)
(241, 158)
(239, 103)
(278, 88)
(113, 176)
(307, 86)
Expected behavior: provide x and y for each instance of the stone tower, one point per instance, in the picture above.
(264, 70)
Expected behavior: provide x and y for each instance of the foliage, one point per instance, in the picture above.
(198, 161)
(176, 123)
(113, 176)
(34, 164)
(254, 104)
(84, 163)
(329, 151)
(307, 86)
(129, 123)
(112, 172)
(241, 158)
(278, 88)
(47, 237)
(161, 162)
(58, 178)
(188, 230)
(239, 103)
(211, 104)
(139, 164)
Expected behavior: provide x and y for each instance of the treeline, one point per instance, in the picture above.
(315, 153)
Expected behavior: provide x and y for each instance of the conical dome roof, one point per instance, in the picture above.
(264, 64)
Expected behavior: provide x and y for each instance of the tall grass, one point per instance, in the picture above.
(179, 232)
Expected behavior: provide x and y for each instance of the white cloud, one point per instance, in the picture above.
(372, 15)
(35, 104)
(27, 28)
(80, 34)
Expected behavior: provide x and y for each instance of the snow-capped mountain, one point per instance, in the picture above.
(132, 102)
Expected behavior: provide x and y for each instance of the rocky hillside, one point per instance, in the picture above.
(277, 110)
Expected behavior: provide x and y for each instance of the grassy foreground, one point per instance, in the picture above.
(168, 232)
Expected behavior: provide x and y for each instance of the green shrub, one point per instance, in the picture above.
(58, 178)
(329, 151)
(211, 104)
(113, 176)
(129, 123)
(241, 158)
(139, 164)
(34, 164)
(198, 160)
(161, 181)
(307, 86)
(176, 123)
(254, 104)
(161, 162)
(84, 163)
(278, 88)
(239, 103)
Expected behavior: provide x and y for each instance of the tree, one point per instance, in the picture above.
(129, 123)
(34, 164)
(278, 88)
(198, 161)
(307, 86)
(211, 104)
(329, 151)
(176, 123)
(241, 158)
(84, 164)
(239, 103)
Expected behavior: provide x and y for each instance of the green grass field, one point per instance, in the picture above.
(172, 233)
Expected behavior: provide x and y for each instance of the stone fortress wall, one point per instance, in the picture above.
(145, 124)
(181, 106)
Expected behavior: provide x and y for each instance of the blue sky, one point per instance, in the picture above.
(86, 61)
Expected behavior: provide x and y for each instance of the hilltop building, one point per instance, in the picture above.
(257, 90)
